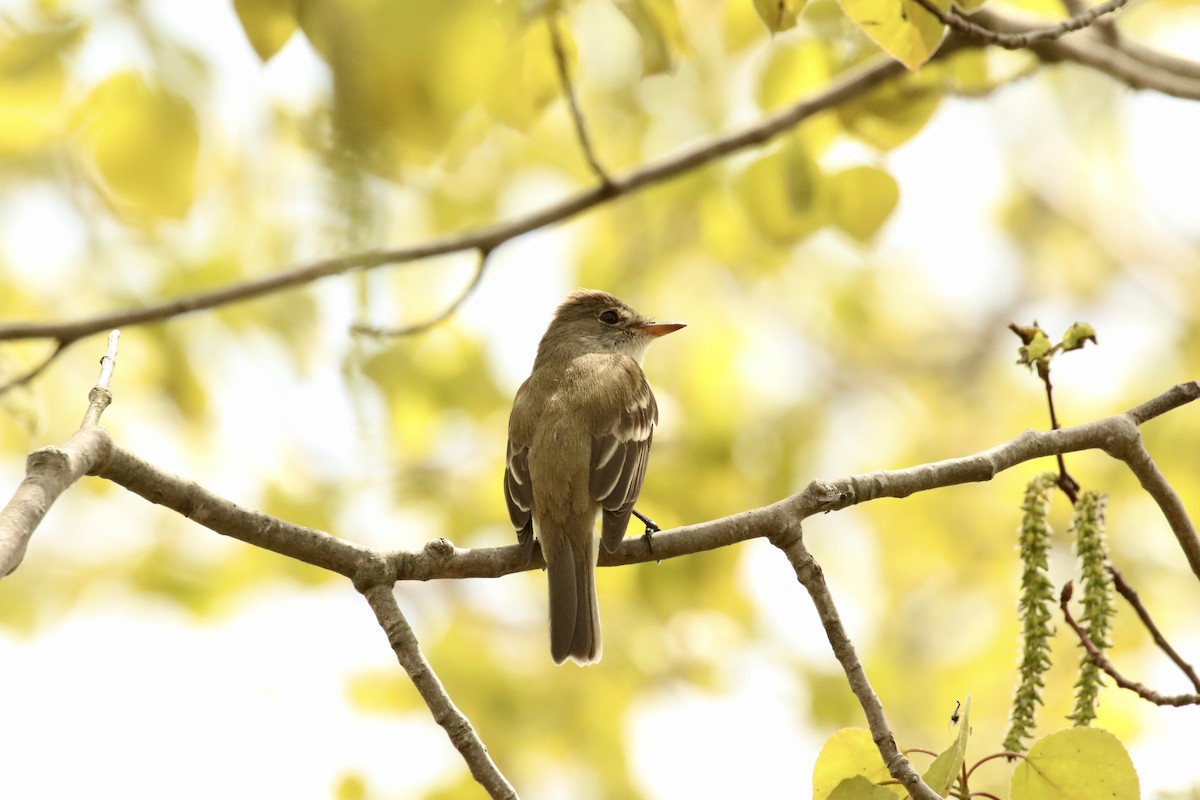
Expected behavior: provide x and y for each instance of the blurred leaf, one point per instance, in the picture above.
(795, 68)
(32, 82)
(862, 199)
(778, 15)
(352, 786)
(404, 73)
(849, 752)
(526, 80)
(904, 29)
(657, 25)
(1076, 764)
(268, 24)
(785, 193)
(894, 112)
(142, 142)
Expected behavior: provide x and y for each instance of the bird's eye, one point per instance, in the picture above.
(610, 317)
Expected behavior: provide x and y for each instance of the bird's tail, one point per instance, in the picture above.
(574, 614)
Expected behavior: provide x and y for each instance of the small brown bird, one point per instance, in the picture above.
(578, 439)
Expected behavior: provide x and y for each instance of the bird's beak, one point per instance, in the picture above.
(657, 329)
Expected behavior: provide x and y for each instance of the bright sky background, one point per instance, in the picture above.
(141, 697)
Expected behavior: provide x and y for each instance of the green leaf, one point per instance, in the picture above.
(861, 200)
(1077, 336)
(848, 753)
(904, 29)
(1076, 764)
(945, 768)
(268, 24)
(778, 15)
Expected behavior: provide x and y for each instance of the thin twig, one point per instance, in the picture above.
(1100, 660)
(59, 346)
(568, 88)
(101, 396)
(462, 734)
(790, 540)
(1068, 485)
(1131, 597)
(1135, 65)
(1022, 40)
(421, 327)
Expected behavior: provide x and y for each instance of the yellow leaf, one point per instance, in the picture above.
(901, 27)
(785, 193)
(657, 24)
(526, 80)
(794, 69)
(142, 142)
(778, 15)
(405, 73)
(891, 114)
(861, 200)
(268, 24)
(849, 752)
(32, 80)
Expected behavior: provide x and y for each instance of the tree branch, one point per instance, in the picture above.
(791, 541)
(845, 86)
(408, 652)
(568, 88)
(50, 470)
(59, 346)
(421, 327)
(1102, 661)
(1022, 39)
(1131, 597)
(1135, 65)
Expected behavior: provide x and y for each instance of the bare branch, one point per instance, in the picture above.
(59, 346)
(1131, 597)
(50, 470)
(224, 516)
(1157, 60)
(564, 77)
(421, 327)
(48, 473)
(1023, 39)
(1102, 661)
(101, 396)
(462, 734)
(1133, 64)
(791, 541)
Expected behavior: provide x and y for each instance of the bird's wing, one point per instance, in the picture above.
(619, 455)
(518, 491)
(518, 487)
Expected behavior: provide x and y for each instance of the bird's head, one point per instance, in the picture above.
(591, 321)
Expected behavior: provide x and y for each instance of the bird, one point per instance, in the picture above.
(578, 441)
